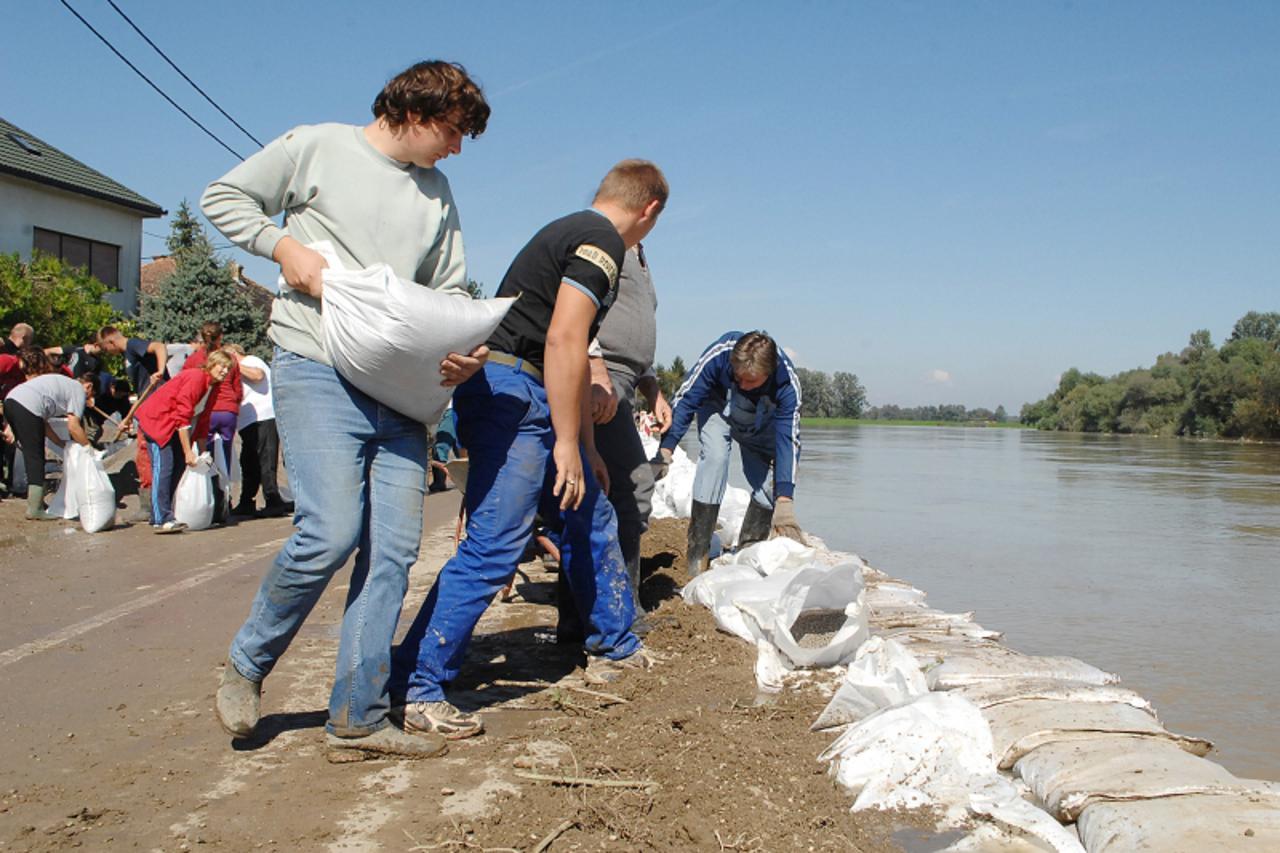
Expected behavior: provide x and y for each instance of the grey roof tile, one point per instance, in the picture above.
(55, 168)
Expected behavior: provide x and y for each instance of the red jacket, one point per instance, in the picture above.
(173, 405)
(11, 375)
(227, 397)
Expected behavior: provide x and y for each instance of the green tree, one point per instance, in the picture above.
(850, 396)
(62, 303)
(1258, 325)
(201, 289)
(475, 288)
(671, 378)
(816, 394)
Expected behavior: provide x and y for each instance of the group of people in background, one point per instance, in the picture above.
(173, 411)
(544, 409)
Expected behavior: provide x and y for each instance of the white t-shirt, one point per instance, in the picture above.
(255, 397)
(53, 395)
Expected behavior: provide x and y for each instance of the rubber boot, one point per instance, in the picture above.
(35, 505)
(702, 523)
(755, 524)
(569, 627)
(142, 515)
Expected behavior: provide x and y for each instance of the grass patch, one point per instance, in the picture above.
(852, 422)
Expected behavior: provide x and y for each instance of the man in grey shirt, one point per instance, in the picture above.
(357, 466)
(622, 363)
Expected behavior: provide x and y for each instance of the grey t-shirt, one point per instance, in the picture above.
(53, 395)
(332, 184)
(628, 337)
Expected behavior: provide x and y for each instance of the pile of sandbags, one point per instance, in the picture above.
(1024, 752)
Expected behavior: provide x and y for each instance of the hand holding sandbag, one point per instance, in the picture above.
(784, 521)
(660, 464)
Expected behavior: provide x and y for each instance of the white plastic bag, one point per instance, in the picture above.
(1193, 823)
(882, 675)
(97, 497)
(193, 500)
(65, 502)
(387, 336)
(829, 601)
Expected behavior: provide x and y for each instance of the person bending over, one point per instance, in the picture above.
(743, 388)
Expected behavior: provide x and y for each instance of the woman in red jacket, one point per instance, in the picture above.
(225, 401)
(165, 420)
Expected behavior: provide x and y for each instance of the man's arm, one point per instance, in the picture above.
(603, 398)
(565, 376)
(248, 371)
(652, 393)
(161, 352)
(75, 428)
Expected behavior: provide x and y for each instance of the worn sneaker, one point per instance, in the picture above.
(238, 702)
(387, 742)
(601, 670)
(169, 527)
(441, 718)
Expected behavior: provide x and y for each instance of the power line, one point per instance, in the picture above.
(160, 91)
(174, 66)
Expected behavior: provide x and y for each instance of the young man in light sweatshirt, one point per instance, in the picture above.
(357, 467)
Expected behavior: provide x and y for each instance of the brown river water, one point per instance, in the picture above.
(1156, 559)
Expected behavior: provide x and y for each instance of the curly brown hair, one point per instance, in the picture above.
(433, 89)
(34, 361)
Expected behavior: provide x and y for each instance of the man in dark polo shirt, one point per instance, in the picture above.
(526, 421)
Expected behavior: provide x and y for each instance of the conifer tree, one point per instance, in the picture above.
(202, 288)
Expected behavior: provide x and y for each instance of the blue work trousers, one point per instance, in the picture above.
(720, 423)
(358, 470)
(505, 423)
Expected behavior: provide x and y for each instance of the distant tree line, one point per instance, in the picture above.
(1232, 391)
(954, 413)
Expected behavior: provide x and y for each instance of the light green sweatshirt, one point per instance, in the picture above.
(331, 184)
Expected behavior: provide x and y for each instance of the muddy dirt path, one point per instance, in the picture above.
(109, 653)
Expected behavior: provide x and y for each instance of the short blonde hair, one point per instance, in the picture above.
(633, 184)
(218, 357)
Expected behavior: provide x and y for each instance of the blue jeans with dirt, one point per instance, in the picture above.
(505, 423)
(359, 475)
(722, 422)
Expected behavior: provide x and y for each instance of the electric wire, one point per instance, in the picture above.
(159, 91)
(183, 74)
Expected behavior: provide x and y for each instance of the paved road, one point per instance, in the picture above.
(109, 651)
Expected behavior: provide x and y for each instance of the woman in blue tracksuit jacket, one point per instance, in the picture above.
(743, 388)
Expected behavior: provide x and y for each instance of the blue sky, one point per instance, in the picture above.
(955, 201)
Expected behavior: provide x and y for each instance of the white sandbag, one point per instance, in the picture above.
(1022, 725)
(988, 662)
(917, 616)
(193, 499)
(882, 675)
(65, 502)
(387, 336)
(893, 594)
(774, 554)
(924, 753)
(1195, 823)
(726, 589)
(985, 694)
(818, 619)
(96, 495)
(1016, 824)
(1070, 775)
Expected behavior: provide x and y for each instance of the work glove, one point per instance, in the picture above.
(659, 464)
(784, 522)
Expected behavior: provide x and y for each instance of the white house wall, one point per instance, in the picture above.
(25, 205)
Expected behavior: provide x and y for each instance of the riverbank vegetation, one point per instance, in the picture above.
(1232, 391)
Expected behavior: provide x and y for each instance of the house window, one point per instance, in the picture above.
(101, 259)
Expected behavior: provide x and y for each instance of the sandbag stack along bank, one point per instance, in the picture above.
(931, 710)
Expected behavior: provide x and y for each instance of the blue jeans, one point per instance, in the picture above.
(167, 466)
(721, 423)
(505, 423)
(358, 471)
